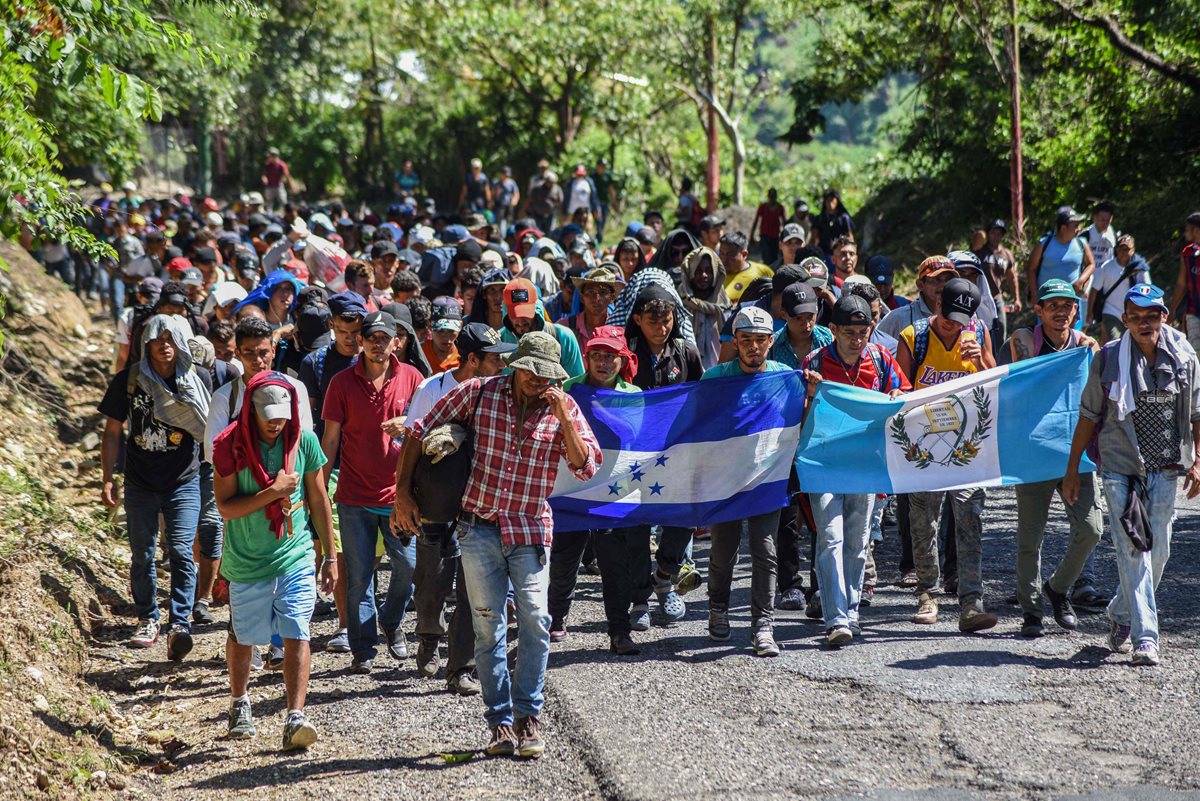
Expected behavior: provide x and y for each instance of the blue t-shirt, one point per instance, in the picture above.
(727, 369)
(1061, 261)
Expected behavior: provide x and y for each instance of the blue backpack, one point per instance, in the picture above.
(921, 338)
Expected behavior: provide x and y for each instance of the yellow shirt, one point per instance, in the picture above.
(940, 365)
(736, 284)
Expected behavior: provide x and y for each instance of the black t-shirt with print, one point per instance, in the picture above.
(158, 457)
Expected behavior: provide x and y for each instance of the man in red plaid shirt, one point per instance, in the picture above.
(524, 424)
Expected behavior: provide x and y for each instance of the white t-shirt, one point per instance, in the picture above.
(428, 393)
(1103, 245)
(1108, 276)
(219, 414)
(123, 325)
(580, 195)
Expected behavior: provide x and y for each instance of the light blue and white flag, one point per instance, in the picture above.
(1009, 425)
(688, 455)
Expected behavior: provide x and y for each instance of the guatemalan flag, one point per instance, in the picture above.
(688, 455)
(1008, 425)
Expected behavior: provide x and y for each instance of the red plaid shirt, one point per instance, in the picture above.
(512, 475)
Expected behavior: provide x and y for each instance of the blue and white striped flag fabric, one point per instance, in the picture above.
(688, 455)
(1008, 425)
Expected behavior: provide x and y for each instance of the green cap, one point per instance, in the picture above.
(539, 353)
(1056, 288)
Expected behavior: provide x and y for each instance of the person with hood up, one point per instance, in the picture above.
(629, 257)
(408, 348)
(268, 478)
(165, 399)
(276, 296)
(489, 304)
(523, 313)
(675, 246)
(644, 277)
(833, 221)
(702, 289)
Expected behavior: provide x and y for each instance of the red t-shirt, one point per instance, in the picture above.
(771, 219)
(274, 172)
(368, 455)
(865, 374)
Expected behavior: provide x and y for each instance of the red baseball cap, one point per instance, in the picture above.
(520, 298)
(178, 265)
(611, 338)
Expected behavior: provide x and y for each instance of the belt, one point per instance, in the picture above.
(470, 519)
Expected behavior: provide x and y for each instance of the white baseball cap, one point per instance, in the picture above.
(272, 402)
(753, 320)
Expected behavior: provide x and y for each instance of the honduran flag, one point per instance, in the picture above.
(1008, 425)
(688, 455)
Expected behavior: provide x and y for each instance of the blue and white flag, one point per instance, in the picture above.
(688, 455)
(1008, 425)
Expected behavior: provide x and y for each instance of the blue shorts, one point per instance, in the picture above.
(282, 606)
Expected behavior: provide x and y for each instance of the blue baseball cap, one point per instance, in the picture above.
(1147, 296)
(453, 234)
(348, 303)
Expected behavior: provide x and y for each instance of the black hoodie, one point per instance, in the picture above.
(679, 362)
(661, 257)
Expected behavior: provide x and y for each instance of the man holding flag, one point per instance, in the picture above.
(844, 521)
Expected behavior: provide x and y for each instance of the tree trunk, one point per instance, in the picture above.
(739, 163)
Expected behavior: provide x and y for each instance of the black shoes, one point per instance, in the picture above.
(1031, 626)
(1064, 613)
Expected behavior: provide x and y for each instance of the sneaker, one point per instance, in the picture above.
(362, 666)
(592, 568)
(200, 614)
(927, 609)
(1118, 637)
(639, 617)
(908, 579)
(814, 607)
(1145, 654)
(298, 732)
(973, 618)
(687, 579)
(256, 662)
(463, 683)
(558, 631)
(339, 643)
(179, 643)
(868, 595)
(145, 635)
(671, 606)
(275, 657)
(702, 533)
(1064, 614)
(1031, 625)
(950, 586)
(397, 644)
(838, 636)
(764, 642)
(623, 645)
(503, 742)
(529, 738)
(718, 623)
(428, 661)
(792, 600)
(241, 722)
(855, 628)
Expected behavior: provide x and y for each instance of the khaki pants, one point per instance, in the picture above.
(1033, 507)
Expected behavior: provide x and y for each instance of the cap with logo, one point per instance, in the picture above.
(447, 317)
(753, 320)
(1147, 296)
(935, 265)
(481, 338)
(791, 231)
(1003, 226)
(1066, 214)
(880, 269)
(852, 310)
(378, 322)
(520, 299)
(818, 271)
(960, 300)
(344, 303)
(1055, 288)
(192, 277)
(272, 402)
(799, 299)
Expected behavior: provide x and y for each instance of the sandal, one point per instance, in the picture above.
(1088, 598)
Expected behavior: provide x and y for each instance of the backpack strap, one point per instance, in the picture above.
(233, 397)
(920, 341)
(319, 365)
(877, 360)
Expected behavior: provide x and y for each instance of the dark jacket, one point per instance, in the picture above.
(680, 361)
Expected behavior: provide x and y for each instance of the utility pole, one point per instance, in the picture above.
(1015, 168)
(712, 174)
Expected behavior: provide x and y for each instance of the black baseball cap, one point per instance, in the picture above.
(852, 310)
(1066, 214)
(376, 322)
(468, 250)
(799, 299)
(960, 300)
(205, 255)
(384, 247)
(1003, 226)
(880, 269)
(481, 338)
(787, 275)
(313, 326)
(710, 222)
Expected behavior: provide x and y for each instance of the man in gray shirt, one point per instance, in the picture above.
(1143, 393)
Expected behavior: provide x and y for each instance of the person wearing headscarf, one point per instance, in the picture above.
(675, 246)
(651, 276)
(702, 290)
(276, 296)
(165, 400)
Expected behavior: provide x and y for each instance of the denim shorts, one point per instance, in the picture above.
(282, 606)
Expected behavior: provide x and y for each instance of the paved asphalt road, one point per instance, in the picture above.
(907, 713)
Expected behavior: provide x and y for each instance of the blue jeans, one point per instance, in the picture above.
(116, 293)
(361, 529)
(1138, 573)
(489, 566)
(843, 530)
(180, 508)
(211, 531)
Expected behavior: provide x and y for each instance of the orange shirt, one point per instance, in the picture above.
(436, 364)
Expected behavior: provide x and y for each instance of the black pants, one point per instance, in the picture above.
(946, 531)
(566, 553)
(624, 557)
(788, 555)
(438, 565)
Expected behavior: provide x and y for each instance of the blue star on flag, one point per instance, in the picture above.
(662, 461)
(614, 489)
(656, 489)
(636, 475)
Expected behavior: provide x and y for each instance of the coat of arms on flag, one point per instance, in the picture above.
(942, 431)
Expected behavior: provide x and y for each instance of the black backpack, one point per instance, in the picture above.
(438, 488)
